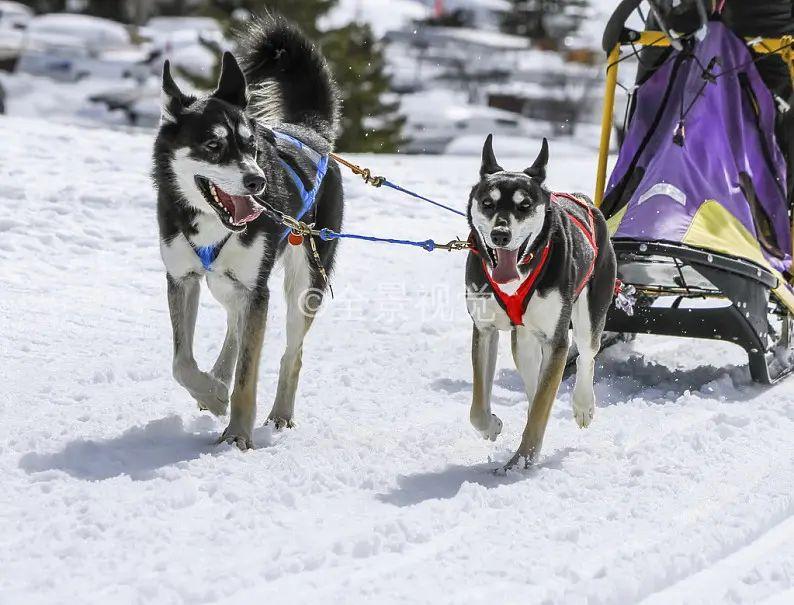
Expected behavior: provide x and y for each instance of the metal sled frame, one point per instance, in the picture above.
(751, 316)
(747, 317)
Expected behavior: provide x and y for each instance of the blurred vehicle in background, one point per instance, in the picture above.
(72, 47)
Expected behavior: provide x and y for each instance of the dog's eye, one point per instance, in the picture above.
(524, 207)
(487, 203)
(213, 145)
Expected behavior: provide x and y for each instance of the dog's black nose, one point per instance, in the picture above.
(254, 183)
(500, 236)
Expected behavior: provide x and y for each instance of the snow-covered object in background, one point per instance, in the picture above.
(470, 40)
(186, 42)
(11, 41)
(381, 15)
(72, 47)
(164, 27)
(436, 117)
(94, 33)
(480, 14)
(546, 87)
(112, 491)
(14, 15)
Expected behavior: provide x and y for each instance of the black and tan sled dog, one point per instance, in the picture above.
(262, 139)
(540, 263)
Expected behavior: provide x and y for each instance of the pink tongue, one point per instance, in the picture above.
(506, 269)
(244, 209)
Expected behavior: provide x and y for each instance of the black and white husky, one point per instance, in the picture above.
(540, 263)
(264, 134)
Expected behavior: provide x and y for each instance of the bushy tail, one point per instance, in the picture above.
(288, 78)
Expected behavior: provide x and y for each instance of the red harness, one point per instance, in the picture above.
(516, 304)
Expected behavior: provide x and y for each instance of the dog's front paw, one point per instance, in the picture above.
(494, 429)
(520, 459)
(583, 414)
(236, 436)
(209, 392)
(215, 404)
(280, 422)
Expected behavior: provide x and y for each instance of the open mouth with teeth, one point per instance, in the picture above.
(506, 262)
(235, 211)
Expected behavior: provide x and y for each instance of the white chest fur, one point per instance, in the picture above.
(179, 258)
(241, 263)
(542, 314)
(236, 261)
(209, 230)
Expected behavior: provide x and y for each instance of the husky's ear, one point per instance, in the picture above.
(173, 99)
(232, 87)
(489, 164)
(538, 170)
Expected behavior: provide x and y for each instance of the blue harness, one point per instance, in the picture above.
(209, 254)
(320, 163)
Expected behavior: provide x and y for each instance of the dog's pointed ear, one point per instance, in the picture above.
(232, 87)
(489, 163)
(538, 170)
(173, 99)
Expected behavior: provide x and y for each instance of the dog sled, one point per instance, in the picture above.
(697, 203)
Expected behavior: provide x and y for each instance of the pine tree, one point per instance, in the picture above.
(369, 123)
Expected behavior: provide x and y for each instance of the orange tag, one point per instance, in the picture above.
(296, 239)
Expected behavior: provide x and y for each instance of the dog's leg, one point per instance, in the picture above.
(251, 328)
(223, 369)
(587, 344)
(484, 346)
(527, 356)
(299, 294)
(234, 298)
(554, 355)
(210, 393)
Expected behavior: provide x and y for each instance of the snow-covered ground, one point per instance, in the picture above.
(113, 492)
